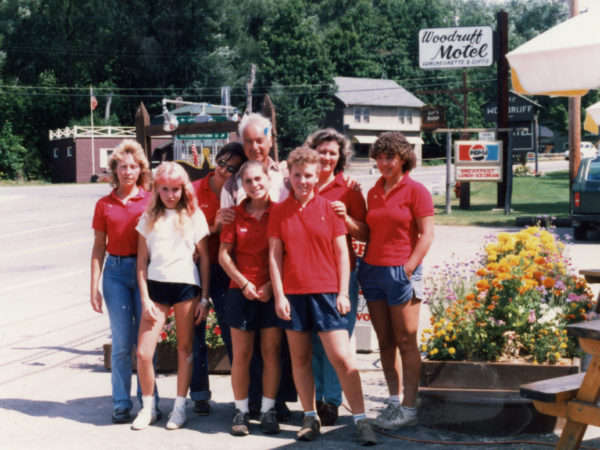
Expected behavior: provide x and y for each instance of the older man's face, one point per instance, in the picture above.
(256, 143)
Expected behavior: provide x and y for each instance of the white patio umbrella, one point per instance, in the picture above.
(563, 61)
(592, 118)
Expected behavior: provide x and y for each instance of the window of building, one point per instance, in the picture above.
(104, 155)
(401, 115)
(409, 115)
(69, 152)
(357, 115)
(366, 112)
(55, 152)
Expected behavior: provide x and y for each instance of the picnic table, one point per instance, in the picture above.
(592, 276)
(574, 397)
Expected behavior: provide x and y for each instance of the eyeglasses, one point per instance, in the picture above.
(230, 168)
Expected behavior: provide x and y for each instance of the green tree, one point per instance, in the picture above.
(294, 67)
(13, 155)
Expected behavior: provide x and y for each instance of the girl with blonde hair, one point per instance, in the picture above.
(171, 230)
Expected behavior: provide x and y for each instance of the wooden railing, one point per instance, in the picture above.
(85, 131)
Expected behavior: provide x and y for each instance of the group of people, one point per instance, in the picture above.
(270, 246)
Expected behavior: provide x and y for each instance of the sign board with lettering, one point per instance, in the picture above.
(455, 48)
(432, 117)
(520, 109)
(478, 160)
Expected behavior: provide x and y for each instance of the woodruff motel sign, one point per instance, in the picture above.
(454, 48)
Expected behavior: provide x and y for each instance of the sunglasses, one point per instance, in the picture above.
(230, 168)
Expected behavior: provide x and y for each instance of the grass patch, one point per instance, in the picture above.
(532, 196)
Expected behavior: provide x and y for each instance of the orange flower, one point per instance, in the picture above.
(470, 297)
(482, 272)
(483, 285)
(548, 282)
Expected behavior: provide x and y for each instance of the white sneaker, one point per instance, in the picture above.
(177, 419)
(145, 417)
(400, 417)
(387, 416)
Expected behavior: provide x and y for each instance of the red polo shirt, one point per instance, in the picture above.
(250, 244)
(309, 265)
(392, 221)
(209, 204)
(354, 201)
(118, 221)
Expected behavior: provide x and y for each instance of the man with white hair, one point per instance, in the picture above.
(256, 133)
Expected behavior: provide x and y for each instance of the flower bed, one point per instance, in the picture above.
(213, 331)
(512, 302)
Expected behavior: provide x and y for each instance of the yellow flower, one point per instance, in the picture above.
(434, 351)
(451, 350)
(427, 330)
(563, 345)
(423, 348)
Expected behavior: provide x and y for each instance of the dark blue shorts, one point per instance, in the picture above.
(390, 283)
(171, 293)
(316, 312)
(248, 315)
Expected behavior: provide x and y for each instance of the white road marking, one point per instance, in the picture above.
(43, 280)
(47, 247)
(35, 230)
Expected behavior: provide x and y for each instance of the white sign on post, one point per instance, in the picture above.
(454, 48)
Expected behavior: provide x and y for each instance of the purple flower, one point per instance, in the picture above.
(531, 318)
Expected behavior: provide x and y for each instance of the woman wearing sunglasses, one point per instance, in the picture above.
(208, 192)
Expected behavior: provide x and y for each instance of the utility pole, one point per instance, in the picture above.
(502, 100)
(574, 120)
(249, 87)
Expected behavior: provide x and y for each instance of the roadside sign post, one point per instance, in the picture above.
(448, 171)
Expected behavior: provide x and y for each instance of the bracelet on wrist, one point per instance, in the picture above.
(246, 285)
(205, 302)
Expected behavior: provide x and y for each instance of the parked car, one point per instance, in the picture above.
(585, 198)
(586, 149)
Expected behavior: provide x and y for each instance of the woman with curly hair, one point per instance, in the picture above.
(400, 220)
(171, 230)
(115, 250)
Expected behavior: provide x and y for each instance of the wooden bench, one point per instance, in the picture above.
(574, 397)
(553, 390)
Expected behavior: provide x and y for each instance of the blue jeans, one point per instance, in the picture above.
(199, 386)
(122, 298)
(327, 385)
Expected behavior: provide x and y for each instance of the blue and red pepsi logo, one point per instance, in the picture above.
(478, 152)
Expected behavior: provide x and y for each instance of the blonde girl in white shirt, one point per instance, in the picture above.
(171, 230)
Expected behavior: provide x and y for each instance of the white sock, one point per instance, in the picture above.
(357, 417)
(179, 403)
(242, 405)
(148, 402)
(408, 411)
(267, 404)
(310, 413)
(395, 399)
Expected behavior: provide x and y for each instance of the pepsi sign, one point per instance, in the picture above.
(477, 151)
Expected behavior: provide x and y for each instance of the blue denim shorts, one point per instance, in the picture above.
(316, 312)
(248, 315)
(390, 283)
(171, 293)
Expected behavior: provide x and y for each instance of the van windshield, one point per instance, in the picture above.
(594, 171)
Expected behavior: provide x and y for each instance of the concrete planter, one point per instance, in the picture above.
(166, 359)
(483, 398)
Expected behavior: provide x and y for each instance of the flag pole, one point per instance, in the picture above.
(92, 123)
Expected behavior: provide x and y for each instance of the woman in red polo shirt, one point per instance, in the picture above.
(349, 204)
(310, 270)
(400, 219)
(208, 192)
(116, 240)
(249, 306)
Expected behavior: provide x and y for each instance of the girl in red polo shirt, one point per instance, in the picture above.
(400, 219)
(309, 265)
(115, 247)
(171, 230)
(249, 303)
(349, 204)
